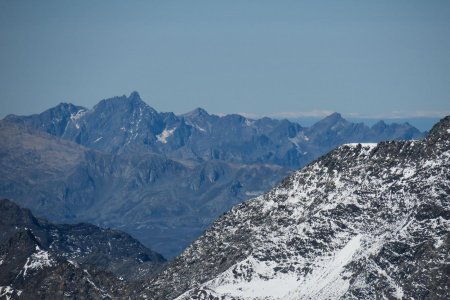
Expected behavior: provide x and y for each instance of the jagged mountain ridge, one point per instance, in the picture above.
(365, 221)
(45, 260)
(164, 203)
(128, 124)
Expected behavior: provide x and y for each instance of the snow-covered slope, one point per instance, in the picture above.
(362, 222)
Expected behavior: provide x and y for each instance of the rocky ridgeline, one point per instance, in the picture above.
(128, 125)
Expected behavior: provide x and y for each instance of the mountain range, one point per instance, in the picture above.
(129, 125)
(365, 221)
(163, 178)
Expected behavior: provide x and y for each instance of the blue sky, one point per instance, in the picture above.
(277, 58)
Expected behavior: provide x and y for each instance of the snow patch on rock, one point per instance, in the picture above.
(78, 115)
(7, 292)
(162, 138)
(38, 260)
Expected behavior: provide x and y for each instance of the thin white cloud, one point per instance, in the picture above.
(324, 113)
(290, 115)
(401, 115)
(355, 115)
(304, 114)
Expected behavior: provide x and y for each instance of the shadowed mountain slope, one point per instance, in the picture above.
(39, 259)
(164, 203)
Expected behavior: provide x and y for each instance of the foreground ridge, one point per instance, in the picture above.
(43, 260)
(366, 221)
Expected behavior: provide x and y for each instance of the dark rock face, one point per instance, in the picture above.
(106, 249)
(44, 260)
(365, 221)
(161, 177)
(29, 271)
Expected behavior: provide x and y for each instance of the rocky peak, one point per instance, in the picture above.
(196, 113)
(123, 103)
(134, 96)
(380, 125)
(69, 107)
(334, 118)
(440, 131)
(330, 122)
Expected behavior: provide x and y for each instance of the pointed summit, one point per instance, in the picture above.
(330, 121)
(134, 96)
(335, 117)
(380, 123)
(135, 99)
(379, 126)
(198, 112)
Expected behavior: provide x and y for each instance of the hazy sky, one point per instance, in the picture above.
(368, 58)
